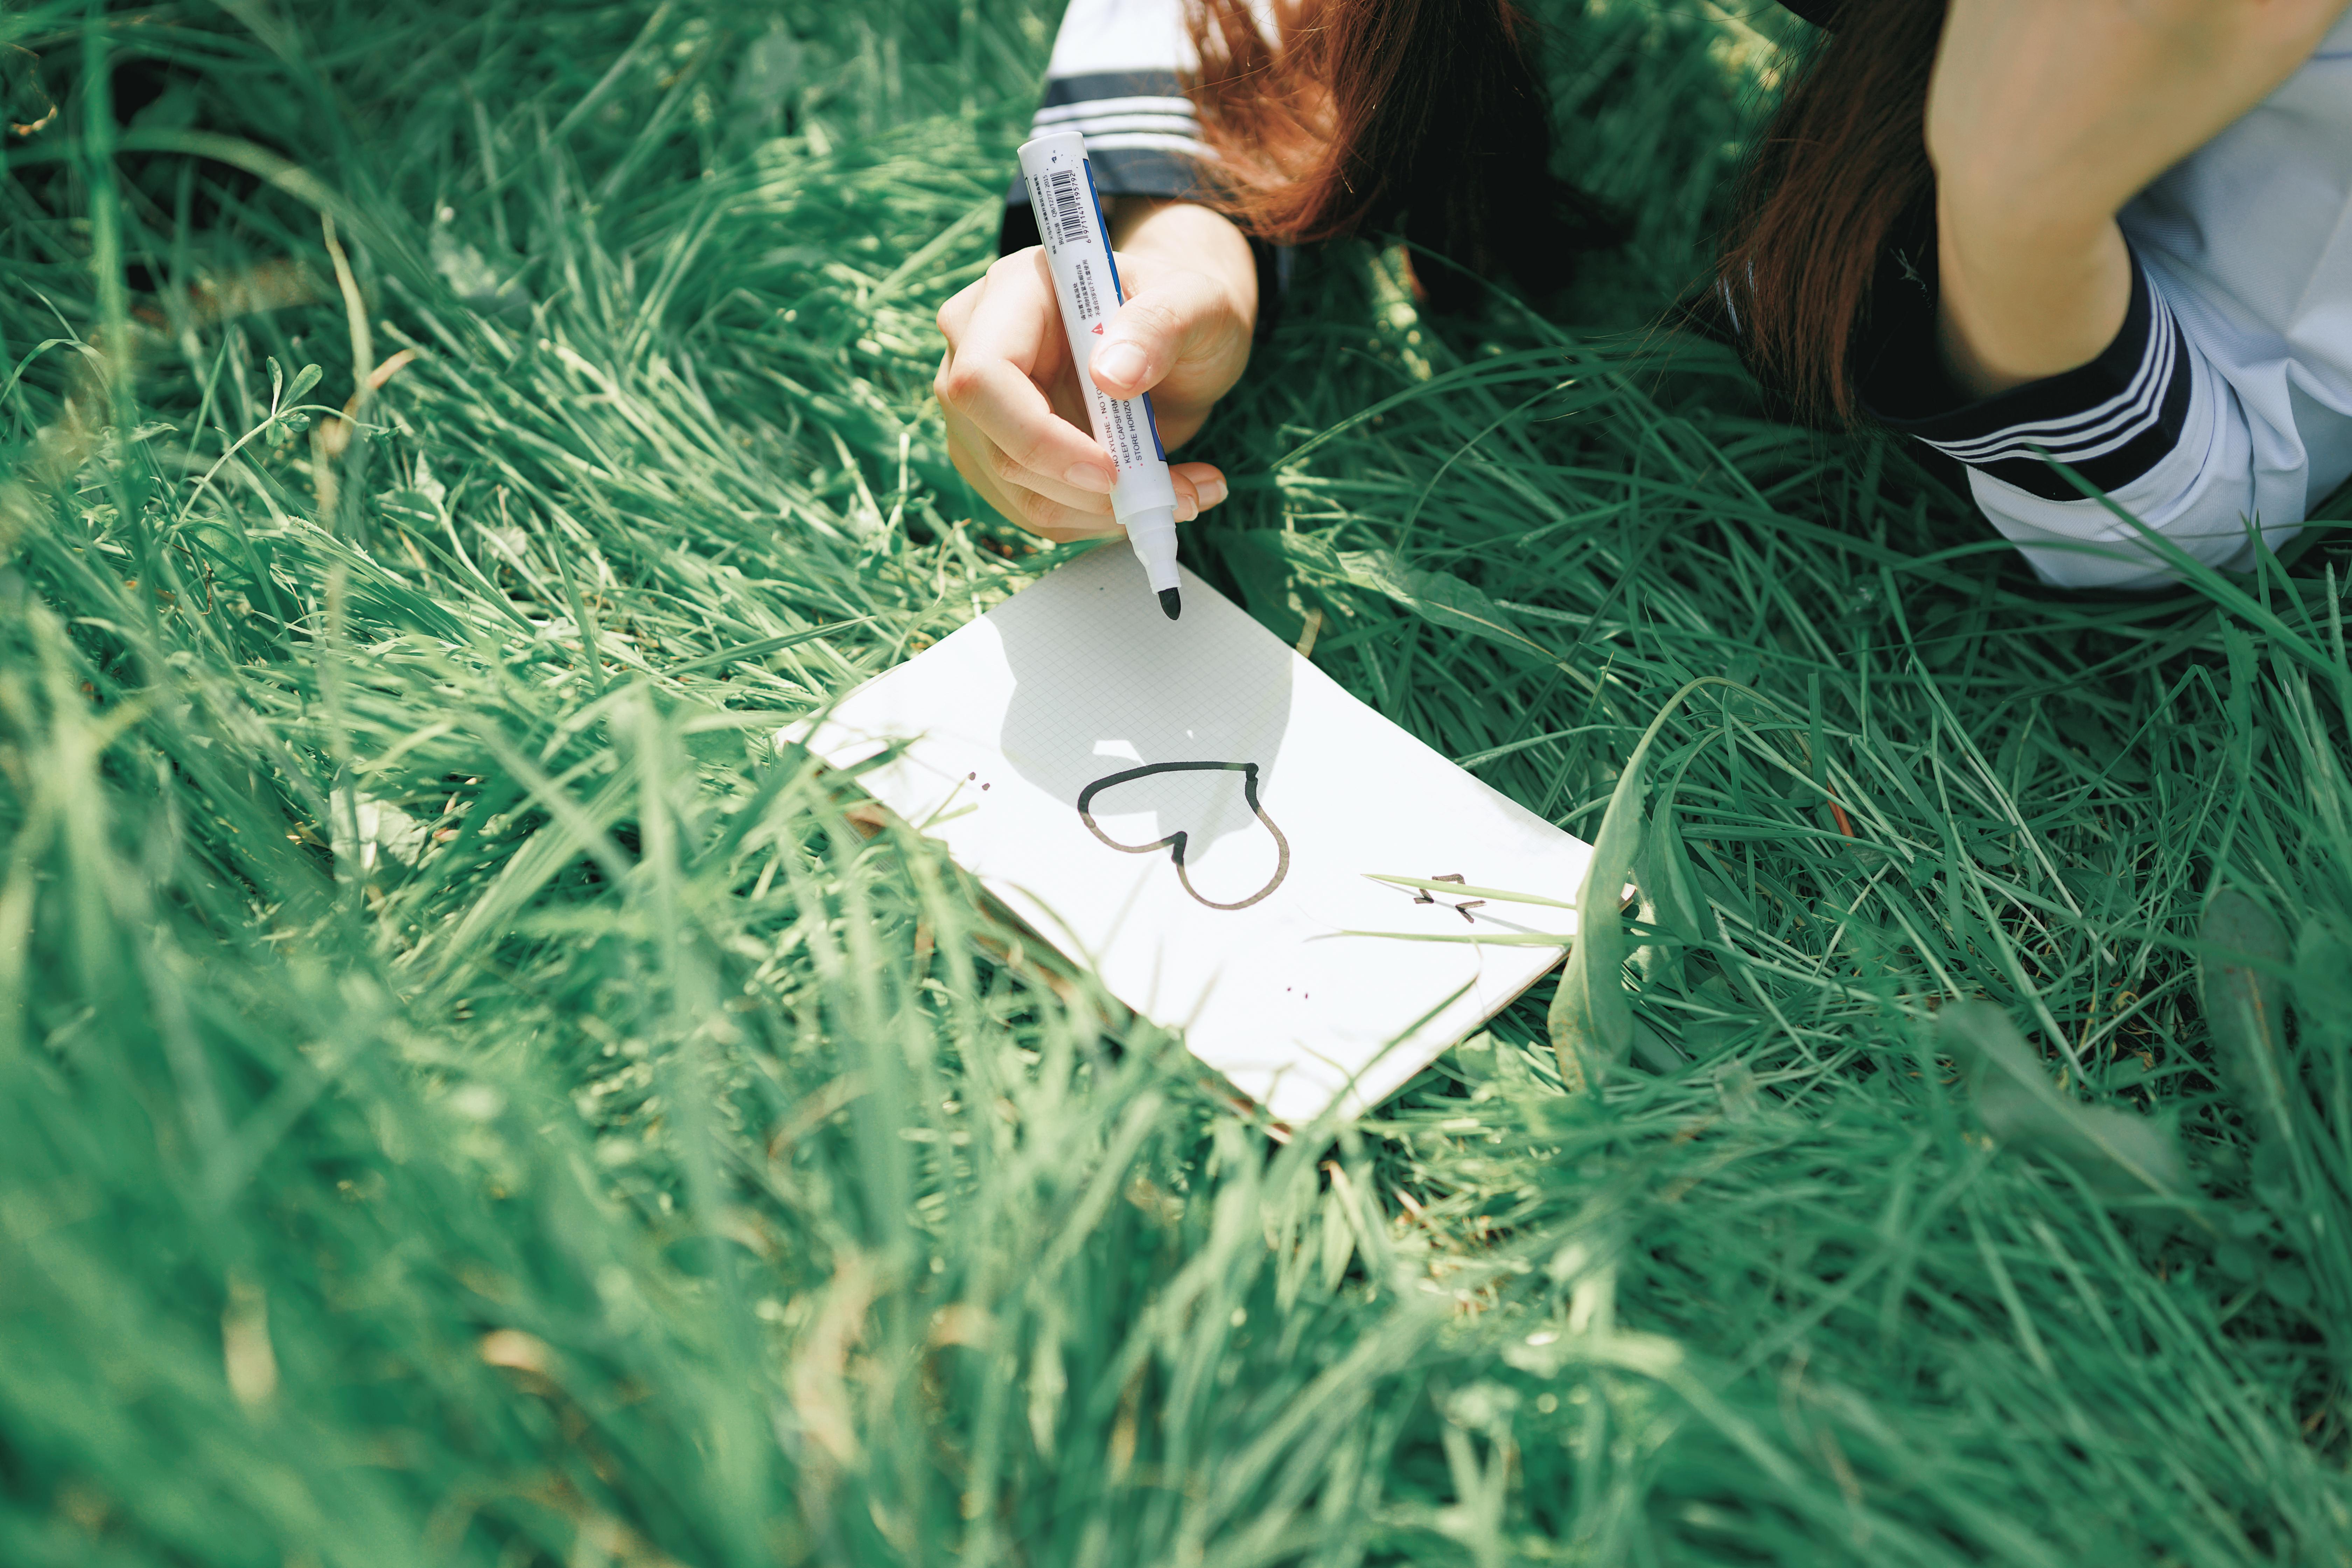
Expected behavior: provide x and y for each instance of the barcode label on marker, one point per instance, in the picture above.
(1062, 185)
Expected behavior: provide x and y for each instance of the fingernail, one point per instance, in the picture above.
(1186, 509)
(1211, 492)
(1121, 363)
(1090, 477)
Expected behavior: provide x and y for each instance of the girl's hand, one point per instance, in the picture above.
(1016, 428)
(2044, 117)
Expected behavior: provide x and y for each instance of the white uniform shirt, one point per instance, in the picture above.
(1117, 75)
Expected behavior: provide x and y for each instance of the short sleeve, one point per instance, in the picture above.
(2149, 423)
(1116, 76)
(2112, 421)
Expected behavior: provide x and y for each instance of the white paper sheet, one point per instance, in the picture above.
(1049, 699)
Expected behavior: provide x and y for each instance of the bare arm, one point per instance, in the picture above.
(2045, 118)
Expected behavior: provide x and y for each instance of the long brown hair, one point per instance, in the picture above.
(1841, 165)
(1362, 116)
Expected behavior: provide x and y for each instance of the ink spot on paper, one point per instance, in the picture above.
(1175, 843)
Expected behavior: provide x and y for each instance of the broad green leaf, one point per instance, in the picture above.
(1669, 902)
(1592, 1024)
(2118, 1153)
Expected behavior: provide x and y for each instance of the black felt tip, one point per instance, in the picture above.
(1171, 602)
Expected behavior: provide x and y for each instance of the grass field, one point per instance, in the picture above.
(467, 1098)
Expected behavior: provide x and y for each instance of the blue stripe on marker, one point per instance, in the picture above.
(1151, 423)
(1102, 226)
(1150, 420)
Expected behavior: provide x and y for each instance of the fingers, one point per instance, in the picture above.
(1021, 499)
(1005, 371)
(959, 305)
(1171, 318)
(1003, 434)
(1028, 442)
(1199, 487)
(1000, 336)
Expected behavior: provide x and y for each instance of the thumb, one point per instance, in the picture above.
(1147, 337)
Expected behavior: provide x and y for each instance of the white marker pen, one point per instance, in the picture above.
(1085, 282)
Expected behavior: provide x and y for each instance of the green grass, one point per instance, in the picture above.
(465, 1098)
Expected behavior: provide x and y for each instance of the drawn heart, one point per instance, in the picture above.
(1175, 843)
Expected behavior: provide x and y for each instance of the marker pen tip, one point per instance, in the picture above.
(1171, 602)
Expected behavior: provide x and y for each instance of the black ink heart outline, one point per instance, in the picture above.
(1175, 843)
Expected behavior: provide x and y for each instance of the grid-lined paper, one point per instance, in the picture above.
(1079, 678)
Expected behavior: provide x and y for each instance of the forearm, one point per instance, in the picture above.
(2042, 120)
(2024, 294)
